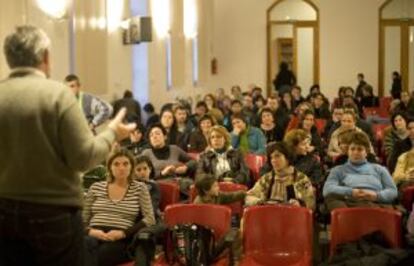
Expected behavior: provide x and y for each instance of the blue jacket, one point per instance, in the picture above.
(343, 178)
(257, 141)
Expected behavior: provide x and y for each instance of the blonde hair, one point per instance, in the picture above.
(222, 131)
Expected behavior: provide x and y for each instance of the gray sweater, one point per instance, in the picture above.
(45, 141)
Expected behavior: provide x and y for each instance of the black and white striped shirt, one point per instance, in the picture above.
(99, 210)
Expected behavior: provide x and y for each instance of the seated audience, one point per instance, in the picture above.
(287, 103)
(246, 138)
(144, 172)
(304, 161)
(269, 127)
(320, 109)
(221, 160)
(151, 116)
(208, 191)
(404, 171)
(401, 146)
(169, 161)
(213, 110)
(136, 142)
(307, 123)
(348, 121)
(396, 133)
(358, 182)
(167, 120)
(198, 138)
(297, 97)
(368, 98)
(114, 211)
(283, 184)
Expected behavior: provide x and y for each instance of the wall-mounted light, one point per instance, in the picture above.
(54, 8)
(161, 17)
(190, 19)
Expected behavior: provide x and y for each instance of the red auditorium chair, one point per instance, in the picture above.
(170, 194)
(385, 102)
(277, 235)
(375, 111)
(254, 162)
(216, 217)
(349, 224)
(408, 197)
(236, 207)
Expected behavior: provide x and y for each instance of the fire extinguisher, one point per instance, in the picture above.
(214, 66)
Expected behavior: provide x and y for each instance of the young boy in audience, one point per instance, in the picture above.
(209, 192)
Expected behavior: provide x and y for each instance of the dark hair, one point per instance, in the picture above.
(266, 110)
(145, 159)
(317, 94)
(281, 147)
(206, 117)
(361, 75)
(202, 104)
(259, 98)
(236, 102)
(128, 94)
(296, 87)
(283, 66)
(369, 89)
(360, 138)
(156, 125)
(72, 77)
(204, 183)
(120, 153)
(240, 117)
(394, 115)
(149, 108)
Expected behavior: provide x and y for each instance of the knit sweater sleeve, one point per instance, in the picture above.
(333, 184)
(257, 193)
(81, 149)
(399, 172)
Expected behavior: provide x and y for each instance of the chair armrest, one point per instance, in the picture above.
(151, 232)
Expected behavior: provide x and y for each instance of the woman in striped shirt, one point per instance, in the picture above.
(114, 211)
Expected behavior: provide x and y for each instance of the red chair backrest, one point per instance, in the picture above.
(170, 194)
(385, 102)
(236, 207)
(278, 229)
(349, 224)
(320, 125)
(408, 197)
(254, 162)
(375, 111)
(215, 217)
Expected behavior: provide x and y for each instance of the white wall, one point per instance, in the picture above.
(348, 42)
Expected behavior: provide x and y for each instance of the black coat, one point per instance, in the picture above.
(399, 148)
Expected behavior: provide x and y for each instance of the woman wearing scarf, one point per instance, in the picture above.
(283, 184)
(221, 160)
(246, 138)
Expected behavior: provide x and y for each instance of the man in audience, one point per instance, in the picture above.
(361, 84)
(95, 110)
(133, 107)
(282, 117)
(358, 183)
(45, 143)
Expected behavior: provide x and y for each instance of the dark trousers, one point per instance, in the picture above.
(37, 234)
(112, 253)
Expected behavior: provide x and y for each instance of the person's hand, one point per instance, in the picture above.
(181, 169)
(237, 131)
(369, 195)
(122, 130)
(168, 170)
(357, 193)
(98, 234)
(115, 235)
(294, 202)
(310, 148)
